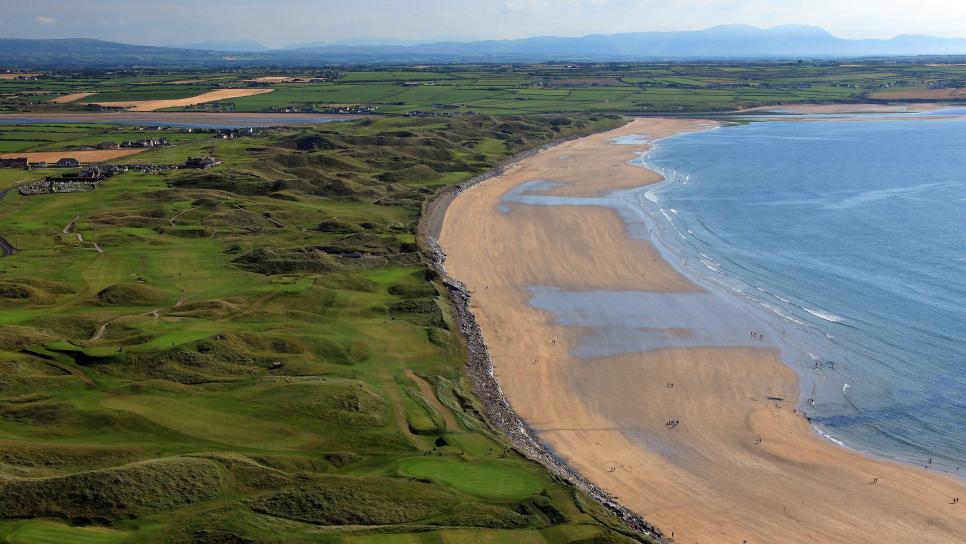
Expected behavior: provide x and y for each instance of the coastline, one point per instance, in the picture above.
(707, 480)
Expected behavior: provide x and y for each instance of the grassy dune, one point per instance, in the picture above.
(260, 353)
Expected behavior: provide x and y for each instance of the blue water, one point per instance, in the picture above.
(852, 237)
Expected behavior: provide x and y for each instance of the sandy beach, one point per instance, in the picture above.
(742, 464)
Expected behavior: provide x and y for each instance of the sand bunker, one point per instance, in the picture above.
(90, 156)
(211, 96)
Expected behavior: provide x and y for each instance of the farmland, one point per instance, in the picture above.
(258, 352)
(492, 89)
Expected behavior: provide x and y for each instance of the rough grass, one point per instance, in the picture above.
(241, 376)
(115, 493)
(130, 295)
(337, 500)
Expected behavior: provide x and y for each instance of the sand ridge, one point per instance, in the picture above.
(210, 96)
(708, 480)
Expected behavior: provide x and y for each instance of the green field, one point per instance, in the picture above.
(48, 532)
(634, 88)
(258, 352)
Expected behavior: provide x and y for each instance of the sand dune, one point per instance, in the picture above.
(211, 96)
(89, 156)
(708, 480)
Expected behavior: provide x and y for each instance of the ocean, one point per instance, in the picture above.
(850, 238)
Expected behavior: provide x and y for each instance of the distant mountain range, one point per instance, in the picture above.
(239, 46)
(718, 43)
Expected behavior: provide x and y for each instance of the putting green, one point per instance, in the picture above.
(49, 532)
(489, 479)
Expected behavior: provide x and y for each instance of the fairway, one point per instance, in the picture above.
(49, 532)
(490, 479)
(217, 426)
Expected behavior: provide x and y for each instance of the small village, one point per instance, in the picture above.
(88, 177)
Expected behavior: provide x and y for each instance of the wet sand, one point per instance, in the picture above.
(708, 479)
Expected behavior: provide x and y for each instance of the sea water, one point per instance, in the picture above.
(851, 236)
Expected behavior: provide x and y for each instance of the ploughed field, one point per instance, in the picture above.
(259, 352)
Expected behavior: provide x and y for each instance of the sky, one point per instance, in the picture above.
(277, 23)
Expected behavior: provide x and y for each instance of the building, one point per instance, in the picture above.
(17, 162)
(203, 163)
(108, 145)
(111, 169)
(68, 162)
(91, 174)
(146, 142)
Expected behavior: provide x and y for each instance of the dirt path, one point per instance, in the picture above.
(177, 215)
(277, 223)
(102, 329)
(80, 237)
(426, 388)
(70, 226)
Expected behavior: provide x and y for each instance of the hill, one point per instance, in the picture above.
(238, 46)
(718, 43)
(80, 53)
(260, 352)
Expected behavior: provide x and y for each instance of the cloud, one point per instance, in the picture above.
(44, 20)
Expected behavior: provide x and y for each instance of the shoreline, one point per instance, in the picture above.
(579, 413)
(805, 333)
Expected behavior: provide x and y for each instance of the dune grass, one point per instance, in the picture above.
(239, 379)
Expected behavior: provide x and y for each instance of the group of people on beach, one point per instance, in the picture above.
(672, 423)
